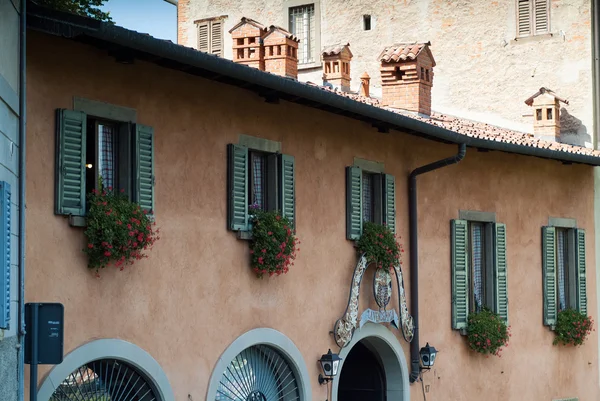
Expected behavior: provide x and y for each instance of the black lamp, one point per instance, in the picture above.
(329, 363)
(427, 355)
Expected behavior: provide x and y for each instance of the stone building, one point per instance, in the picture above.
(489, 57)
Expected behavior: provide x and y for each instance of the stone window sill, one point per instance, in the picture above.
(244, 235)
(309, 66)
(532, 38)
(77, 221)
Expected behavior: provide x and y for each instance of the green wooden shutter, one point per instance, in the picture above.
(354, 220)
(389, 201)
(580, 265)
(500, 272)
(287, 187)
(549, 274)
(70, 162)
(144, 167)
(237, 190)
(460, 274)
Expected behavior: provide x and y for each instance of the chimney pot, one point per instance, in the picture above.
(365, 81)
(336, 66)
(407, 76)
(248, 46)
(546, 116)
(281, 52)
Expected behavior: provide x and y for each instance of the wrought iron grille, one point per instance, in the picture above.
(105, 380)
(258, 373)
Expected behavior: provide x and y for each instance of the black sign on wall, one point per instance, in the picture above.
(50, 333)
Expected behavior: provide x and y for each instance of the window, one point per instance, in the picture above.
(533, 17)
(261, 179)
(366, 22)
(370, 196)
(90, 150)
(563, 271)
(302, 25)
(210, 36)
(538, 114)
(549, 114)
(479, 273)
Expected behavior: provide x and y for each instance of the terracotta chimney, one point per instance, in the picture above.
(407, 77)
(281, 52)
(365, 82)
(336, 66)
(546, 114)
(248, 47)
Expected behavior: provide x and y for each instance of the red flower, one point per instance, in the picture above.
(129, 226)
(90, 246)
(278, 217)
(106, 253)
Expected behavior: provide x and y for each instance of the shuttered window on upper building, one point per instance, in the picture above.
(533, 17)
(210, 36)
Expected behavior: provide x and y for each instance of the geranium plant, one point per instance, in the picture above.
(572, 327)
(379, 244)
(274, 244)
(118, 230)
(487, 333)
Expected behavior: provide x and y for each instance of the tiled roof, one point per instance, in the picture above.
(286, 33)
(474, 129)
(543, 90)
(336, 49)
(404, 51)
(250, 21)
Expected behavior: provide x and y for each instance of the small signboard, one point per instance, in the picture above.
(49, 327)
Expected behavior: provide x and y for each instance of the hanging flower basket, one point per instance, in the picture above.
(487, 333)
(380, 246)
(572, 327)
(273, 246)
(118, 231)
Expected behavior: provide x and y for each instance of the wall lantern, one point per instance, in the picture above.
(427, 355)
(330, 364)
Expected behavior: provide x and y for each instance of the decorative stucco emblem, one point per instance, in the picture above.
(382, 288)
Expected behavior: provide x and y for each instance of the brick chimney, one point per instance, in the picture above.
(365, 83)
(407, 77)
(281, 52)
(546, 114)
(248, 46)
(336, 66)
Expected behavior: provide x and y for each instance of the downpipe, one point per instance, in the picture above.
(21, 247)
(415, 368)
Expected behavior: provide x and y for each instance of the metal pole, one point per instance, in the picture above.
(34, 353)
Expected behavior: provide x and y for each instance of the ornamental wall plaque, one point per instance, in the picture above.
(382, 288)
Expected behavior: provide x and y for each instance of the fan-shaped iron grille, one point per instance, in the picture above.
(105, 380)
(258, 373)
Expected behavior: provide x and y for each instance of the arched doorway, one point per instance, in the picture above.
(385, 349)
(362, 378)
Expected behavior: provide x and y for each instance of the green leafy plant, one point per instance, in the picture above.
(118, 231)
(487, 333)
(86, 8)
(273, 246)
(572, 327)
(379, 244)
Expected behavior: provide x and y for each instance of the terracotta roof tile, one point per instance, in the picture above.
(543, 90)
(335, 49)
(402, 52)
(474, 129)
(250, 21)
(288, 34)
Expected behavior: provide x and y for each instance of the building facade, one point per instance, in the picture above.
(193, 322)
(10, 92)
(489, 58)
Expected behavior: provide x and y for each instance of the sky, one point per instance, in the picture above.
(155, 17)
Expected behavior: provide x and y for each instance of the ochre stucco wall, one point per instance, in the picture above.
(196, 293)
(482, 73)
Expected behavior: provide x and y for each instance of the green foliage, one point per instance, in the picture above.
(273, 245)
(117, 230)
(487, 333)
(379, 244)
(572, 327)
(86, 8)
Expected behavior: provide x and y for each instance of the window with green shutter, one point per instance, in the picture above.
(370, 196)
(259, 179)
(93, 151)
(479, 269)
(563, 271)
